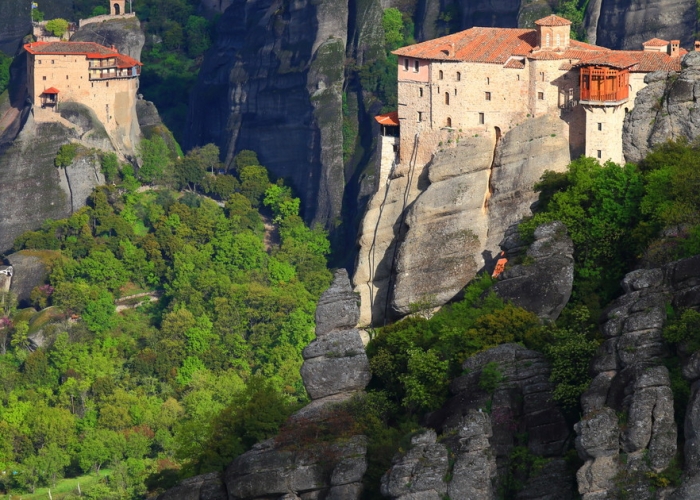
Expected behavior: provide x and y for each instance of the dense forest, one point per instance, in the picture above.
(215, 307)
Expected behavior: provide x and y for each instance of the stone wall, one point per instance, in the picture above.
(112, 100)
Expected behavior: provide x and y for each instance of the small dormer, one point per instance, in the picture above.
(553, 32)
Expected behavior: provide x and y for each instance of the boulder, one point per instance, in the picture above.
(205, 487)
(337, 307)
(544, 285)
(124, 33)
(30, 270)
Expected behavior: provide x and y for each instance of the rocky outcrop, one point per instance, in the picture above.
(664, 110)
(275, 77)
(626, 24)
(125, 34)
(151, 125)
(292, 466)
(205, 487)
(476, 455)
(30, 271)
(335, 363)
(543, 284)
(629, 408)
(427, 233)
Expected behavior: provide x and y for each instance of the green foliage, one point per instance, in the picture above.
(414, 359)
(184, 382)
(245, 158)
(37, 15)
(155, 156)
(684, 330)
(5, 63)
(57, 26)
(570, 350)
(490, 377)
(598, 204)
(392, 22)
(110, 166)
(66, 154)
(574, 11)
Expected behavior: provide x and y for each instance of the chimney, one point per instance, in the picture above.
(697, 45)
(675, 48)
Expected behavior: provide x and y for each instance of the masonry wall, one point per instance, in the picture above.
(604, 132)
(113, 100)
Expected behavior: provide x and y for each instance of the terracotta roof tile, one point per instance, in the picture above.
(90, 50)
(52, 90)
(514, 64)
(487, 45)
(389, 119)
(552, 20)
(655, 42)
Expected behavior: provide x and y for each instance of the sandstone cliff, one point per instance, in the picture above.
(665, 109)
(628, 433)
(272, 83)
(125, 34)
(427, 233)
(626, 24)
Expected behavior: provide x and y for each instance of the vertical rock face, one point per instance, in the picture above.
(626, 24)
(31, 189)
(427, 233)
(543, 286)
(628, 407)
(15, 20)
(273, 83)
(664, 110)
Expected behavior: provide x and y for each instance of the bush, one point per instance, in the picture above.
(57, 26)
(66, 155)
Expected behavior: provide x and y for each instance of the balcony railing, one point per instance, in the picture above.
(121, 73)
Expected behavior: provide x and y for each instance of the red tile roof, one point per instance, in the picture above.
(52, 90)
(90, 50)
(487, 45)
(655, 42)
(388, 119)
(505, 45)
(553, 20)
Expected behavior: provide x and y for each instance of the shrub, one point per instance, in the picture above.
(66, 155)
(57, 26)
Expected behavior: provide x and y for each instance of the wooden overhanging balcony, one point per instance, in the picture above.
(113, 73)
(604, 86)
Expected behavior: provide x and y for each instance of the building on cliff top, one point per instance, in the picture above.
(84, 72)
(488, 80)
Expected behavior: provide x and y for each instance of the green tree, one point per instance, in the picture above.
(66, 155)
(245, 158)
(57, 26)
(110, 166)
(254, 183)
(155, 156)
(392, 22)
(197, 34)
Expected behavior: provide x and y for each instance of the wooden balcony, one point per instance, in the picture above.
(602, 85)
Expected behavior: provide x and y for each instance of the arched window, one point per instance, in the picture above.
(440, 75)
(459, 76)
(448, 122)
(116, 9)
(447, 98)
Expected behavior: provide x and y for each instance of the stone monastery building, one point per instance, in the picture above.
(88, 73)
(486, 80)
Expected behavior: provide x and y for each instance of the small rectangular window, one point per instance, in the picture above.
(420, 92)
(44, 78)
(488, 81)
(415, 66)
(540, 96)
(405, 64)
(459, 76)
(542, 75)
(600, 126)
(487, 96)
(600, 153)
(420, 116)
(481, 118)
(52, 61)
(39, 61)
